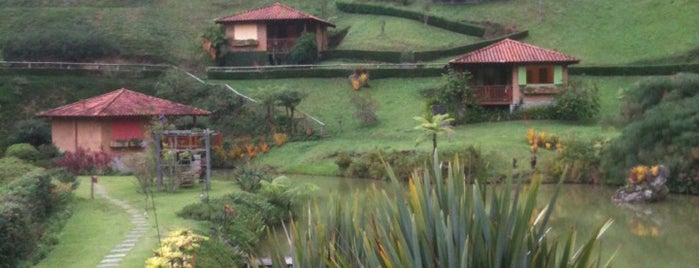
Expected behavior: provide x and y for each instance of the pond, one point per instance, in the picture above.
(646, 235)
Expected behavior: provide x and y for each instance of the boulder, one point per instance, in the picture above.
(649, 190)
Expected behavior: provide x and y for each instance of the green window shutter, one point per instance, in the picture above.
(522, 76)
(558, 75)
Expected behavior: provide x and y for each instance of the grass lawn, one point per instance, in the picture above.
(398, 101)
(597, 31)
(399, 34)
(97, 226)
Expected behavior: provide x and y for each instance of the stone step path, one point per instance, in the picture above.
(140, 226)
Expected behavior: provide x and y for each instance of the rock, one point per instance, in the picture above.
(651, 190)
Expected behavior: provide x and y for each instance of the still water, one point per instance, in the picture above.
(664, 234)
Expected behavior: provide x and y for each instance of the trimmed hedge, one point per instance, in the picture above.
(81, 72)
(326, 73)
(629, 70)
(245, 58)
(436, 54)
(463, 28)
(382, 56)
(395, 57)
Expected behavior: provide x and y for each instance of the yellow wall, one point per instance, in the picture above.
(63, 134)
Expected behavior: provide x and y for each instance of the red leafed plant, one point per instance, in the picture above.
(83, 161)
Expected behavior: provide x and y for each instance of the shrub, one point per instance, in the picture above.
(12, 168)
(177, 250)
(48, 151)
(578, 161)
(241, 217)
(143, 168)
(305, 51)
(343, 161)
(652, 91)
(24, 151)
(284, 193)
(364, 110)
(577, 103)
(370, 164)
(84, 162)
(455, 93)
(78, 43)
(33, 131)
(249, 177)
(215, 253)
(26, 205)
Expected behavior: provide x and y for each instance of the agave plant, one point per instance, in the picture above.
(437, 222)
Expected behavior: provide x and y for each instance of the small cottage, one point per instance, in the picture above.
(512, 73)
(273, 29)
(115, 122)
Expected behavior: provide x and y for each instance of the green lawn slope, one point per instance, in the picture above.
(597, 31)
(398, 101)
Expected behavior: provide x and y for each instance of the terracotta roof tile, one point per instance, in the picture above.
(123, 102)
(276, 11)
(511, 51)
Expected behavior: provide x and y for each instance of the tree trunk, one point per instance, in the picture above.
(434, 143)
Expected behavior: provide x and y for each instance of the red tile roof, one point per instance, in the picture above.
(275, 11)
(511, 51)
(123, 102)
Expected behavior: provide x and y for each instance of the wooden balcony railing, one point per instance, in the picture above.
(280, 45)
(493, 94)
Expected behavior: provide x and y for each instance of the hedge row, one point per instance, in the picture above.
(326, 73)
(463, 28)
(81, 72)
(634, 70)
(436, 54)
(398, 57)
(434, 72)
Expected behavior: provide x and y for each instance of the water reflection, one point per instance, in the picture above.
(664, 234)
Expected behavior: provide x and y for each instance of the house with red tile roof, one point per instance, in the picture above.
(273, 29)
(513, 73)
(115, 122)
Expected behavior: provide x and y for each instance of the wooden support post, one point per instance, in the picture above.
(207, 141)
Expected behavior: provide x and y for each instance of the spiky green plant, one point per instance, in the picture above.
(437, 222)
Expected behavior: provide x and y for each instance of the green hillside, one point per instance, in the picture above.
(598, 31)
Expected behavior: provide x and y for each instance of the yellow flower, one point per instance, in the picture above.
(655, 170)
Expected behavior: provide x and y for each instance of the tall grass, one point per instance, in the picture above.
(439, 221)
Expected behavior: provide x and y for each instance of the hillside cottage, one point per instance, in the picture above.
(115, 122)
(513, 73)
(273, 30)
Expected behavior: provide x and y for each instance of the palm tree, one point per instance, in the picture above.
(438, 124)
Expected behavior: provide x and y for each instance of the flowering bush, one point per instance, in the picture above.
(543, 140)
(177, 250)
(640, 173)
